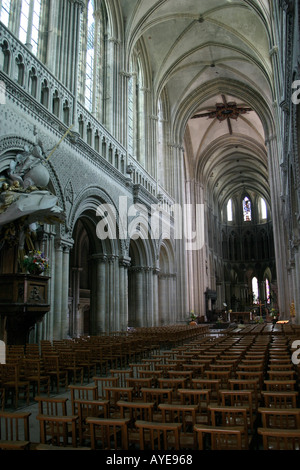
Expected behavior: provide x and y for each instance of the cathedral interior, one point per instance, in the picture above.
(149, 154)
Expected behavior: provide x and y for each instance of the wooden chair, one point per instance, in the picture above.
(114, 394)
(157, 395)
(52, 406)
(242, 398)
(13, 383)
(276, 364)
(99, 360)
(136, 367)
(156, 436)
(222, 366)
(137, 383)
(184, 414)
(54, 370)
(90, 408)
(281, 418)
(199, 397)
(165, 368)
(150, 374)
(231, 416)
(135, 410)
(186, 374)
(174, 383)
(222, 375)
(285, 399)
(82, 392)
(84, 360)
(280, 385)
(280, 439)
(247, 384)
(122, 375)
(213, 385)
(256, 367)
(58, 430)
(14, 431)
(32, 351)
(33, 373)
(251, 375)
(281, 374)
(218, 437)
(197, 369)
(108, 434)
(14, 354)
(69, 362)
(102, 382)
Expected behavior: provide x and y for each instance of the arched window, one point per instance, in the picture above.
(267, 287)
(90, 52)
(255, 290)
(4, 12)
(247, 212)
(29, 20)
(263, 208)
(136, 100)
(93, 47)
(30, 23)
(229, 211)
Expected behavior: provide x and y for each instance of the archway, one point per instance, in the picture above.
(141, 302)
(97, 286)
(166, 284)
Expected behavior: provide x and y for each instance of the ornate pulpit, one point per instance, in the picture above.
(23, 303)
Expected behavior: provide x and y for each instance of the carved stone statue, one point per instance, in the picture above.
(28, 168)
(24, 193)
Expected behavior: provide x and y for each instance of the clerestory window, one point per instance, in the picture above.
(28, 22)
(247, 211)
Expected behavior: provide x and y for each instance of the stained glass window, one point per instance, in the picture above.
(268, 291)
(247, 209)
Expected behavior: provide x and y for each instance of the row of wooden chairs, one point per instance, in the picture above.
(93, 423)
(145, 400)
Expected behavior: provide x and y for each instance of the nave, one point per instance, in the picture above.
(177, 388)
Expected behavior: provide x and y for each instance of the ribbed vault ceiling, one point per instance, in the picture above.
(203, 53)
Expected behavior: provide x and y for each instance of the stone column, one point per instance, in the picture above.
(181, 252)
(123, 132)
(65, 291)
(155, 297)
(113, 117)
(29, 26)
(60, 310)
(163, 299)
(14, 18)
(75, 302)
(278, 226)
(58, 288)
(112, 288)
(139, 291)
(98, 310)
(296, 298)
(124, 264)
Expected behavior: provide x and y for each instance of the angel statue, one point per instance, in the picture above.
(24, 190)
(28, 168)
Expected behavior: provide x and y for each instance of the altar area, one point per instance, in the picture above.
(244, 317)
